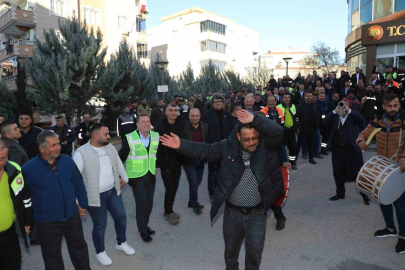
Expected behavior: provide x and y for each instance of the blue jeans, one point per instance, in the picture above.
(237, 227)
(194, 171)
(317, 141)
(114, 204)
(388, 214)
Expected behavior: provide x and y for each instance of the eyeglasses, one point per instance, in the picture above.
(253, 139)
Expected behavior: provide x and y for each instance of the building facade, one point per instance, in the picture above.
(376, 32)
(197, 36)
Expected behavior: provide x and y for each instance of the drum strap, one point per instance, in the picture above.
(399, 145)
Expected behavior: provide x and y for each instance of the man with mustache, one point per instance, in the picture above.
(389, 144)
(249, 181)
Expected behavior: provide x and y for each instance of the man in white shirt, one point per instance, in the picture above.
(104, 176)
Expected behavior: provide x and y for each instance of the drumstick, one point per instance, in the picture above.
(375, 131)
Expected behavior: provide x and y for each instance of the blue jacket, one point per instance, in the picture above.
(54, 194)
(355, 122)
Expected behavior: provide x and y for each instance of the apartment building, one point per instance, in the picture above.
(198, 36)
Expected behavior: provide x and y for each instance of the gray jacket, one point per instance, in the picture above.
(16, 152)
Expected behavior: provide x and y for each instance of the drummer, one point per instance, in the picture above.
(389, 145)
(347, 158)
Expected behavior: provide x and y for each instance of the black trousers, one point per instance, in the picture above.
(50, 235)
(171, 178)
(10, 252)
(143, 194)
(346, 164)
(278, 213)
(307, 135)
(325, 133)
(290, 142)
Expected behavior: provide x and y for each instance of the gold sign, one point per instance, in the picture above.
(396, 30)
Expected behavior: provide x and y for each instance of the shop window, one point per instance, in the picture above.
(382, 8)
(399, 5)
(366, 12)
(400, 48)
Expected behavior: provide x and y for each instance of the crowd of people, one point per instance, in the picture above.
(242, 134)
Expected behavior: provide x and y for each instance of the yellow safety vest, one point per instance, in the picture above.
(18, 182)
(139, 162)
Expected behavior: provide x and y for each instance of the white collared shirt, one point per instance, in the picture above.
(343, 120)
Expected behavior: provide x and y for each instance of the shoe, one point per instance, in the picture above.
(294, 167)
(318, 156)
(324, 152)
(176, 215)
(212, 199)
(146, 237)
(312, 161)
(336, 197)
(280, 223)
(197, 210)
(103, 258)
(172, 219)
(366, 200)
(126, 248)
(197, 205)
(150, 231)
(386, 233)
(304, 156)
(400, 247)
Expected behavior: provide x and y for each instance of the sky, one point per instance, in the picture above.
(281, 23)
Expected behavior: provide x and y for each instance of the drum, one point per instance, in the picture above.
(380, 179)
(286, 179)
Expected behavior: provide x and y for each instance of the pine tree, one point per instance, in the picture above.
(211, 79)
(187, 85)
(156, 76)
(234, 79)
(8, 103)
(65, 69)
(23, 104)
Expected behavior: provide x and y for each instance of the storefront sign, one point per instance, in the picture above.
(384, 32)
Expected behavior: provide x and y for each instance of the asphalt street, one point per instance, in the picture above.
(319, 234)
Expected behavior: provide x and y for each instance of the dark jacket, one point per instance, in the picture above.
(167, 157)
(354, 81)
(200, 105)
(126, 124)
(187, 131)
(21, 201)
(302, 116)
(265, 164)
(369, 109)
(54, 194)
(156, 116)
(210, 117)
(83, 129)
(67, 135)
(298, 97)
(16, 152)
(355, 122)
(29, 141)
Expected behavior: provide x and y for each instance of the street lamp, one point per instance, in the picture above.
(162, 65)
(287, 59)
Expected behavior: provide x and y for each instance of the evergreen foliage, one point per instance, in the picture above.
(8, 103)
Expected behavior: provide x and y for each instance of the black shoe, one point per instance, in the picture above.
(318, 156)
(294, 167)
(400, 247)
(280, 223)
(386, 233)
(312, 161)
(336, 197)
(212, 199)
(197, 210)
(150, 231)
(366, 200)
(197, 205)
(304, 156)
(146, 237)
(324, 152)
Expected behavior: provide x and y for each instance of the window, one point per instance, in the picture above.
(219, 64)
(59, 7)
(122, 22)
(355, 5)
(92, 16)
(142, 50)
(209, 45)
(355, 14)
(140, 24)
(382, 8)
(213, 27)
(366, 11)
(399, 5)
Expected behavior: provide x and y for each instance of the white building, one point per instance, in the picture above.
(198, 36)
(274, 61)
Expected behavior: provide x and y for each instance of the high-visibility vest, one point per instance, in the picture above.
(18, 182)
(139, 161)
(292, 109)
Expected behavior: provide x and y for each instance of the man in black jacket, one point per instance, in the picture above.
(309, 120)
(369, 102)
(200, 102)
(158, 113)
(195, 131)
(219, 128)
(249, 182)
(29, 134)
(84, 129)
(126, 122)
(170, 162)
(357, 77)
(66, 135)
(10, 133)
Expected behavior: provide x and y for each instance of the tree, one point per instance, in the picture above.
(8, 103)
(65, 69)
(234, 79)
(23, 104)
(156, 76)
(211, 79)
(259, 77)
(187, 82)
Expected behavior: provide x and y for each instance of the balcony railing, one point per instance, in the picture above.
(11, 81)
(18, 47)
(17, 21)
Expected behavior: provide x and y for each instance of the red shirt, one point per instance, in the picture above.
(196, 134)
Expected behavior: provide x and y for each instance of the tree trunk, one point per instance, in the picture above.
(23, 104)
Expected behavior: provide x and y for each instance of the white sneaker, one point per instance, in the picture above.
(103, 258)
(126, 248)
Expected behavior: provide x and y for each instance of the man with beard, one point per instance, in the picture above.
(259, 103)
(249, 181)
(143, 108)
(357, 77)
(369, 103)
(84, 129)
(158, 113)
(200, 102)
(389, 144)
(334, 102)
(104, 176)
(324, 108)
(125, 122)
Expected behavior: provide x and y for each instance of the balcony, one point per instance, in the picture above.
(18, 47)
(11, 82)
(17, 21)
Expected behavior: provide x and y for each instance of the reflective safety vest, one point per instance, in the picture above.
(139, 161)
(18, 182)
(292, 109)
